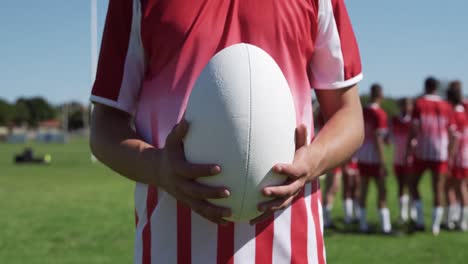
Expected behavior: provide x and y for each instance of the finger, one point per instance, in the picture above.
(290, 170)
(272, 205)
(284, 190)
(208, 210)
(195, 190)
(261, 218)
(219, 221)
(193, 171)
(301, 136)
(178, 133)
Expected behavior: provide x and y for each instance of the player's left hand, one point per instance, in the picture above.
(299, 173)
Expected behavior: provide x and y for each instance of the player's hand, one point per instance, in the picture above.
(178, 178)
(298, 173)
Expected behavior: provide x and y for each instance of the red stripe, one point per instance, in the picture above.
(299, 230)
(349, 47)
(151, 202)
(315, 198)
(225, 244)
(114, 47)
(264, 241)
(184, 234)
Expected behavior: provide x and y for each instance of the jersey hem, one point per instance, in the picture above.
(110, 103)
(338, 85)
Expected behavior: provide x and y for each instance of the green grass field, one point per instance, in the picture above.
(73, 211)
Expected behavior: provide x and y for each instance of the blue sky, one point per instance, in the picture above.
(45, 45)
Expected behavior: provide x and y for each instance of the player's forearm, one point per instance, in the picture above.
(115, 144)
(343, 132)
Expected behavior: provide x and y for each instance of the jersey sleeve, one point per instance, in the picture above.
(121, 64)
(336, 61)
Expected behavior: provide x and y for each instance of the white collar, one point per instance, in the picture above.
(432, 97)
(374, 105)
(405, 118)
(459, 108)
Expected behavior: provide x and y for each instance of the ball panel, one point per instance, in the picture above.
(272, 128)
(218, 113)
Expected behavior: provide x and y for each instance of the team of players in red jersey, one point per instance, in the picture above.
(429, 134)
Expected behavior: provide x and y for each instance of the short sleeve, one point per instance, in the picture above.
(121, 63)
(336, 61)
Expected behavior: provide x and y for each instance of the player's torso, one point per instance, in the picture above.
(368, 153)
(433, 134)
(180, 37)
(461, 122)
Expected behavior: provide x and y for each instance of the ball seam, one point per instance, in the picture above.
(247, 169)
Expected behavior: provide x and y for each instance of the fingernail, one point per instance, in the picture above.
(267, 193)
(226, 193)
(278, 168)
(215, 170)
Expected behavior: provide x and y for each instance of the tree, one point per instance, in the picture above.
(21, 112)
(6, 112)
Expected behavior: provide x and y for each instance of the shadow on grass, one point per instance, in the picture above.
(399, 230)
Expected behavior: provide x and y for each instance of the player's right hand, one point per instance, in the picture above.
(178, 178)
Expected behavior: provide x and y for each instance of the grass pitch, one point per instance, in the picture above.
(73, 211)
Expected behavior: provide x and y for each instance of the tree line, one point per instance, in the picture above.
(31, 111)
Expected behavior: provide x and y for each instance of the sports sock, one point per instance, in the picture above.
(357, 209)
(437, 215)
(404, 202)
(348, 210)
(363, 220)
(458, 212)
(452, 216)
(419, 212)
(386, 225)
(464, 219)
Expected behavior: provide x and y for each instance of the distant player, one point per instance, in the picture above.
(403, 161)
(351, 189)
(458, 158)
(432, 118)
(332, 187)
(371, 159)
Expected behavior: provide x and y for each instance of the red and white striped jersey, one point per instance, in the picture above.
(461, 132)
(375, 122)
(400, 131)
(151, 55)
(465, 105)
(434, 116)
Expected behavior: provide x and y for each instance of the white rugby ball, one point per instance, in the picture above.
(242, 117)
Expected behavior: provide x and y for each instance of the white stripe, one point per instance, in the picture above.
(141, 191)
(311, 237)
(164, 230)
(134, 64)
(321, 226)
(327, 64)
(204, 240)
(244, 243)
(282, 237)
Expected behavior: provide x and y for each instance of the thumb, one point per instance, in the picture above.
(301, 136)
